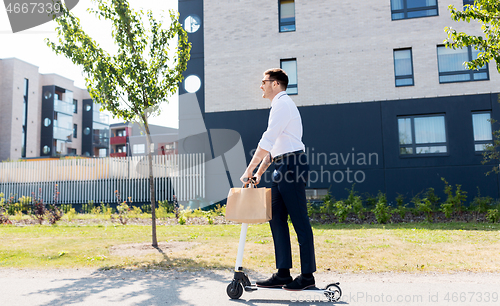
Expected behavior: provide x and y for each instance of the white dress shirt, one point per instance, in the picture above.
(284, 128)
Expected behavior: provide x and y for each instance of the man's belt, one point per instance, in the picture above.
(280, 157)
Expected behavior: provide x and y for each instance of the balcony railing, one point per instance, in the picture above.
(118, 140)
(101, 142)
(63, 107)
(100, 117)
(63, 134)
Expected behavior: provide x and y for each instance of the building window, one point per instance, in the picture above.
(121, 149)
(25, 118)
(192, 23)
(287, 15)
(121, 133)
(75, 130)
(316, 194)
(452, 69)
(422, 135)
(403, 67)
(75, 106)
(483, 135)
(290, 67)
(139, 148)
(468, 2)
(405, 9)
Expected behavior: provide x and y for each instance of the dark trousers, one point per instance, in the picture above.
(289, 198)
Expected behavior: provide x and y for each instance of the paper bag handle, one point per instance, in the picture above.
(249, 181)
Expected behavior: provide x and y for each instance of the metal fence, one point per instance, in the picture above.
(80, 181)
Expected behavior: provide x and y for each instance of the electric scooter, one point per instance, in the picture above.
(241, 282)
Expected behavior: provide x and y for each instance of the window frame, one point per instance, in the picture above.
(296, 85)
(286, 23)
(467, 71)
(414, 145)
(405, 10)
(478, 142)
(403, 76)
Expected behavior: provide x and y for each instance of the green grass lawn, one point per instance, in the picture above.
(344, 248)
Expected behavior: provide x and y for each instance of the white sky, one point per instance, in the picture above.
(30, 47)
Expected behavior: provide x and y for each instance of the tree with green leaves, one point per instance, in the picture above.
(487, 14)
(133, 81)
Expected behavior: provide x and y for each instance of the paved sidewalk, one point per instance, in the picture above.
(125, 287)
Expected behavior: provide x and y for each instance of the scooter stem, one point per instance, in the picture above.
(241, 246)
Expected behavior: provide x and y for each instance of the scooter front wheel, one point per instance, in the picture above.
(333, 293)
(234, 290)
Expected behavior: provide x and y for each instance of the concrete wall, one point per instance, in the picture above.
(344, 52)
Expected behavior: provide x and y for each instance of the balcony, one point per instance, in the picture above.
(121, 154)
(118, 140)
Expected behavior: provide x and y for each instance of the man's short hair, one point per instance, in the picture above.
(279, 75)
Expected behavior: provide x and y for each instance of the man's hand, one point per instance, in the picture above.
(246, 176)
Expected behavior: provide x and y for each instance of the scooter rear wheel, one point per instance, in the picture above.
(234, 290)
(333, 293)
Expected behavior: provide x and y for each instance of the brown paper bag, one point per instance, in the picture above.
(249, 205)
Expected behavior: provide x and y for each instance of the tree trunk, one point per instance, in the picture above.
(151, 183)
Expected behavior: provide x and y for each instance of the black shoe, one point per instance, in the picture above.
(274, 281)
(300, 283)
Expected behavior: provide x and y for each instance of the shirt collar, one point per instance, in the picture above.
(279, 95)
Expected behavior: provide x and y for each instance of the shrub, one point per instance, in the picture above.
(370, 201)
(425, 207)
(169, 207)
(454, 202)
(39, 209)
(433, 198)
(381, 210)
(70, 214)
(54, 214)
(161, 212)
(208, 216)
(182, 220)
(481, 204)
(123, 211)
(136, 212)
(24, 204)
(65, 208)
(328, 204)
(341, 210)
(493, 215)
(401, 208)
(4, 216)
(355, 202)
(219, 210)
(89, 208)
(357, 207)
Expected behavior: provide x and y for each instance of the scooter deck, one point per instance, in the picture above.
(254, 287)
